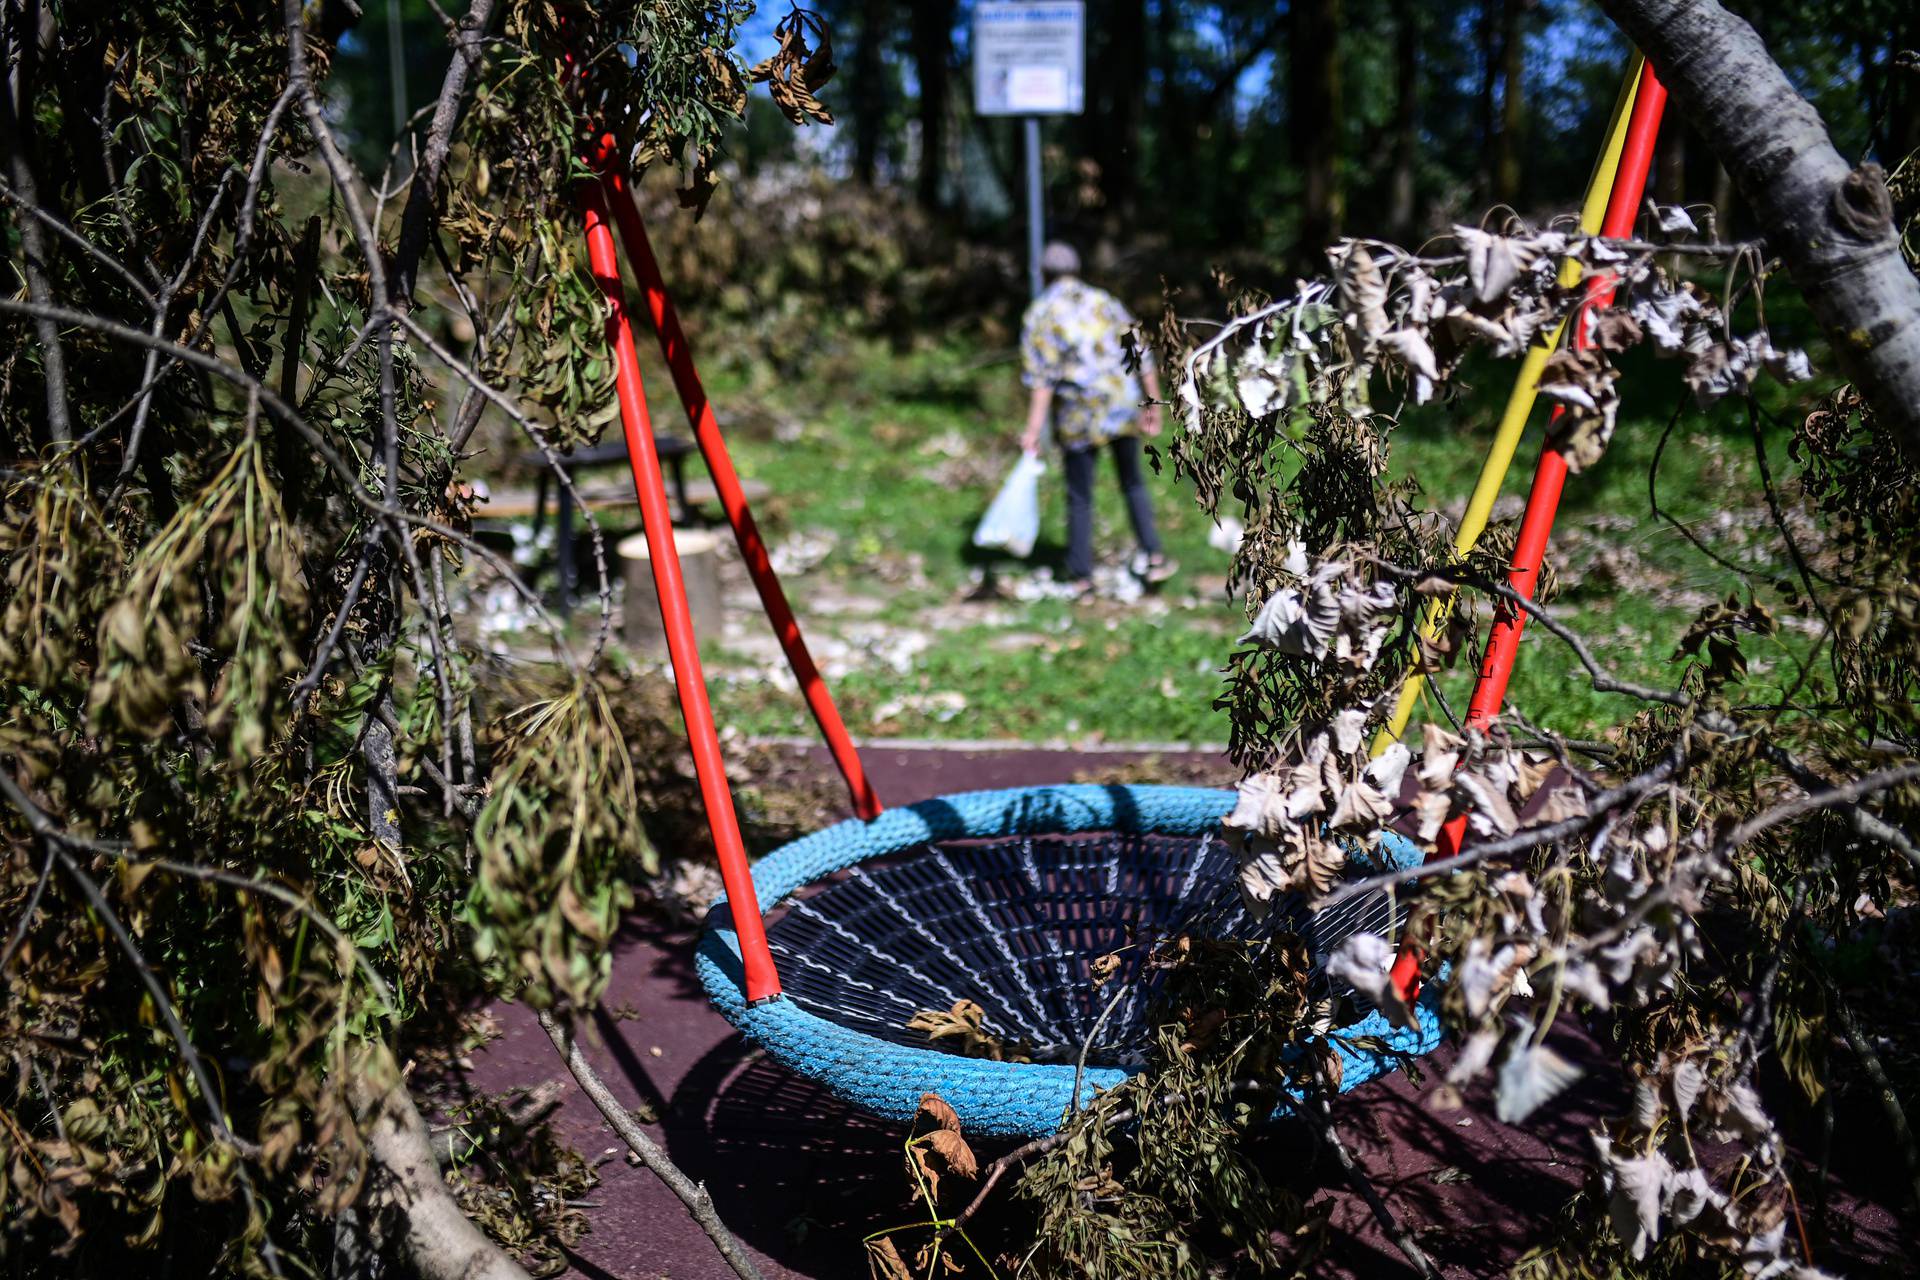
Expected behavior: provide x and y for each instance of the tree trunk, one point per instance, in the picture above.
(1406, 120)
(1832, 224)
(1313, 59)
(869, 91)
(27, 30)
(1174, 167)
(1112, 123)
(1722, 199)
(1513, 99)
(439, 1241)
(1673, 163)
(933, 61)
(1900, 101)
(1487, 32)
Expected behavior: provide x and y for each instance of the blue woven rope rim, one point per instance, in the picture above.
(1014, 1099)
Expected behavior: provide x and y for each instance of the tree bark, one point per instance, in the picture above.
(933, 62)
(16, 136)
(1722, 201)
(1487, 35)
(438, 1240)
(1513, 98)
(469, 42)
(1313, 55)
(1898, 130)
(869, 91)
(1673, 164)
(1406, 120)
(1832, 224)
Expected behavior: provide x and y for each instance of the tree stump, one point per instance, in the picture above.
(643, 628)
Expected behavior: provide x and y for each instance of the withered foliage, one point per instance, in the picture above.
(1722, 883)
(264, 805)
(519, 1182)
(800, 68)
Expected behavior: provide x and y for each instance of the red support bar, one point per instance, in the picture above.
(713, 447)
(762, 982)
(1549, 480)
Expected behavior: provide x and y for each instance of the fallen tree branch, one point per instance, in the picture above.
(1525, 839)
(1356, 1176)
(1831, 222)
(1884, 1091)
(468, 38)
(692, 1194)
(1040, 1146)
(1834, 797)
(440, 1241)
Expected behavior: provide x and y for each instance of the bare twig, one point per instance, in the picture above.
(468, 40)
(1086, 1045)
(324, 655)
(692, 1194)
(78, 241)
(27, 912)
(1863, 820)
(1604, 681)
(1883, 1089)
(480, 386)
(1519, 842)
(1849, 793)
(1383, 1213)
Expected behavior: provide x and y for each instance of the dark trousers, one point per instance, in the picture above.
(1079, 466)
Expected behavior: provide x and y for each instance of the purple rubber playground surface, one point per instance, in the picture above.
(801, 1178)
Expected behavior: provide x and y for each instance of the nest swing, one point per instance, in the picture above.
(1004, 898)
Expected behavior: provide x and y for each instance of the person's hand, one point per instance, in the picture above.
(1030, 440)
(1150, 421)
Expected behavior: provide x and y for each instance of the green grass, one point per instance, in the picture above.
(895, 455)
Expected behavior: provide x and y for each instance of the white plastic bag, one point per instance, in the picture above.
(1012, 523)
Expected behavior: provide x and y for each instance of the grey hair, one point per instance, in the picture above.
(1059, 259)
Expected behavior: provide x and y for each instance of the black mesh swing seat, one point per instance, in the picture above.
(1004, 899)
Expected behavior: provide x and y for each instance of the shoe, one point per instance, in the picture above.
(1153, 569)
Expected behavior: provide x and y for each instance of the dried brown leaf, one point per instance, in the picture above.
(953, 1149)
(884, 1261)
(935, 1109)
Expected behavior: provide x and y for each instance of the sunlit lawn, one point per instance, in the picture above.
(893, 456)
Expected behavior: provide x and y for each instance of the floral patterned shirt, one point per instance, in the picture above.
(1070, 340)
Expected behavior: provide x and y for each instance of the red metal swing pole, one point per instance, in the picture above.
(1549, 480)
(762, 982)
(733, 499)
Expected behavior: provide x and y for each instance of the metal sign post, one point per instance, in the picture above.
(1036, 206)
(1029, 60)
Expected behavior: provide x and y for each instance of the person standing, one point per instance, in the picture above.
(1073, 362)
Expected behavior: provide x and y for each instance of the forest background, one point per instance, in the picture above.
(854, 292)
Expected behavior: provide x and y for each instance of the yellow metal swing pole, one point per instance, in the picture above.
(1513, 422)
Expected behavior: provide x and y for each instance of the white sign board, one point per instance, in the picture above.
(1029, 58)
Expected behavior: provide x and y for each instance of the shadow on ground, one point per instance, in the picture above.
(802, 1178)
